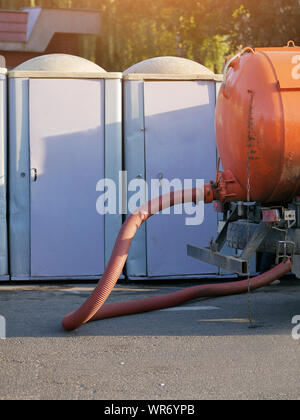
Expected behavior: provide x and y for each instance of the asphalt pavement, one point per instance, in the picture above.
(206, 349)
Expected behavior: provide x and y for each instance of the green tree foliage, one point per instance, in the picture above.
(137, 30)
(266, 22)
(203, 30)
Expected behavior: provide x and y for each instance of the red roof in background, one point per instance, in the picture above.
(13, 26)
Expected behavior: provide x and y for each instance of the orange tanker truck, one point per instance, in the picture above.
(258, 140)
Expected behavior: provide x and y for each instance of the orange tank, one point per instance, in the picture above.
(258, 127)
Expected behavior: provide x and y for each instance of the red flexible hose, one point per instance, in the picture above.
(177, 298)
(92, 309)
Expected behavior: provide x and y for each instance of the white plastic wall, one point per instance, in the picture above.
(169, 133)
(3, 178)
(65, 135)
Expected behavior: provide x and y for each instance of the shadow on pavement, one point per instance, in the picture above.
(37, 311)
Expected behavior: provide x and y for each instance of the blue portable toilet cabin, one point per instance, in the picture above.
(65, 137)
(169, 106)
(4, 275)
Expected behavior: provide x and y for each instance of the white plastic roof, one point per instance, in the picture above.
(3, 69)
(168, 65)
(61, 65)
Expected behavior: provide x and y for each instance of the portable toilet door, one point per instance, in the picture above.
(4, 275)
(65, 136)
(169, 107)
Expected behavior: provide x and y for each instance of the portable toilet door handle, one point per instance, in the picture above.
(35, 174)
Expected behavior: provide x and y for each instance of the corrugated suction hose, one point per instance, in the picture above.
(92, 309)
